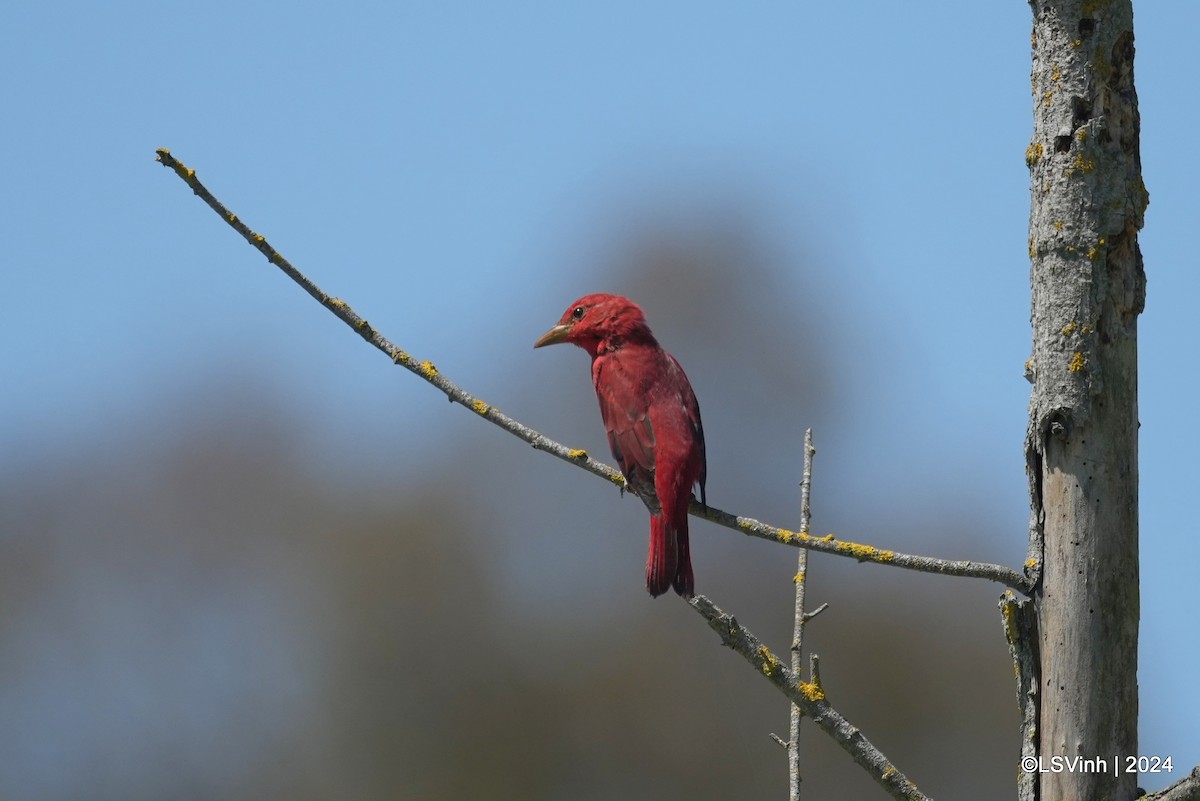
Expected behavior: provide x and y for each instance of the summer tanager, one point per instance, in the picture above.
(653, 424)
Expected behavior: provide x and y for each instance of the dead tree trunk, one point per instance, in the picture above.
(1081, 448)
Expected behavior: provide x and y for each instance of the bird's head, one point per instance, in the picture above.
(595, 322)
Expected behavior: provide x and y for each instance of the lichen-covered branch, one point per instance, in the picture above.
(810, 699)
(1020, 629)
(427, 371)
(866, 553)
(1186, 789)
(800, 616)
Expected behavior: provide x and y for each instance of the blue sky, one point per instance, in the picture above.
(442, 168)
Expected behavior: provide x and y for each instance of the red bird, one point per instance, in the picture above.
(653, 424)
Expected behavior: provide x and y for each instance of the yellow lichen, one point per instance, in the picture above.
(1033, 153)
(1030, 564)
(618, 479)
(1082, 164)
(828, 538)
(811, 690)
(1046, 99)
(1056, 73)
(1058, 225)
(1077, 362)
(341, 304)
(400, 357)
(768, 662)
(1077, 43)
(1082, 135)
(1069, 328)
(1008, 611)
(786, 536)
(259, 238)
(1093, 253)
(798, 578)
(575, 453)
(427, 369)
(482, 408)
(866, 552)
(232, 217)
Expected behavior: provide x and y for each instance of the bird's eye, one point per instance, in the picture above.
(577, 313)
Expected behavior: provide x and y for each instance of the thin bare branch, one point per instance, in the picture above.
(427, 371)
(800, 616)
(810, 698)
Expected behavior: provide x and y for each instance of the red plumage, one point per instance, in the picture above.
(653, 424)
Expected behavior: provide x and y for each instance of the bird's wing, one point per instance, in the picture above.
(625, 408)
(692, 407)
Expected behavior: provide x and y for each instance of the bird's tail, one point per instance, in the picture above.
(669, 563)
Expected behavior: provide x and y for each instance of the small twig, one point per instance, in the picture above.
(427, 371)
(810, 615)
(810, 698)
(800, 616)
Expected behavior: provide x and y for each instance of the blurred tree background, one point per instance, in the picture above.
(213, 602)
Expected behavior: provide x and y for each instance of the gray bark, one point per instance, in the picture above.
(1081, 448)
(1020, 629)
(800, 616)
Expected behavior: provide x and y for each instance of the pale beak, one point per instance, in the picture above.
(554, 336)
